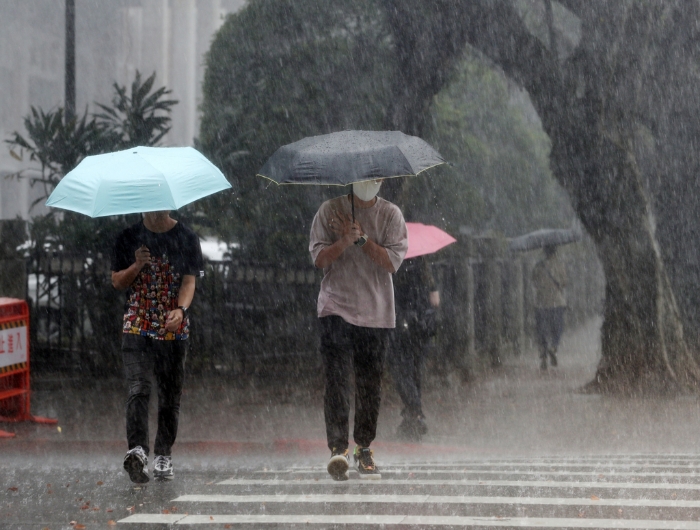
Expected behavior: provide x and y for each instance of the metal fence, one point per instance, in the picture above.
(245, 315)
(249, 317)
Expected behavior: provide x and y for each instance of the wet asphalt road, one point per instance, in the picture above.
(520, 449)
(244, 491)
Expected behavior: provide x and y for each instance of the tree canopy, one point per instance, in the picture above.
(278, 71)
(614, 85)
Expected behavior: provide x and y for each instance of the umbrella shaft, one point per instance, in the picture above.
(352, 201)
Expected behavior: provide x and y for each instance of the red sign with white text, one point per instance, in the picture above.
(13, 346)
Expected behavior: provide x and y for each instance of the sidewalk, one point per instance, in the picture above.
(517, 411)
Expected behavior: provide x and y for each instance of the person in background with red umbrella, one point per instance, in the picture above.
(417, 298)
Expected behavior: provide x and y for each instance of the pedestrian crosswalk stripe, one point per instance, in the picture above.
(604, 495)
(417, 520)
(405, 471)
(438, 499)
(437, 482)
(511, 466)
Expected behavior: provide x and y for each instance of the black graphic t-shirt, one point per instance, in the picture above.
(154, 292)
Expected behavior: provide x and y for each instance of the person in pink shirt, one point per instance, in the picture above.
(356, 312)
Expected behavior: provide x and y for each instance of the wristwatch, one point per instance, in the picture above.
(184, 311)
(361, 241)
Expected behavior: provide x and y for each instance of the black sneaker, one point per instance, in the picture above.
(553, 359)
(338, 464)
(364, 462)
(543, 364)
(136, 465)
(412, 429)
(163, 467)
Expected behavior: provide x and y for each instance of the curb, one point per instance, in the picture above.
(280, 446)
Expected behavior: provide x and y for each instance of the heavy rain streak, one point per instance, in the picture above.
(349, 264)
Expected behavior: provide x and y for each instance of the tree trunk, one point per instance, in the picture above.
(588, 105)
(591, 103)
(428, 42)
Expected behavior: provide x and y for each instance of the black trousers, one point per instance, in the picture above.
(144, 357)
(406, 358)
(549, 323)
(345, 348)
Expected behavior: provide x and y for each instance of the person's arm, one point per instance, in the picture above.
(332, 252)
(122, 279)
(348, 232)
(184, 299)
(379, 255)
(429, 282)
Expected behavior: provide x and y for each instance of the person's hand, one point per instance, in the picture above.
(175, 318)
(143, 256)
(434, 298)
(343, 225)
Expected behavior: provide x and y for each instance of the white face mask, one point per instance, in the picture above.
(367, 189)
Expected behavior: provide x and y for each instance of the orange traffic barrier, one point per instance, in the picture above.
(14, 364)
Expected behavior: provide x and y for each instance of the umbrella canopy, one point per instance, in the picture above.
(544, 238)
(342, 158)
(426, 239)
(140, 179)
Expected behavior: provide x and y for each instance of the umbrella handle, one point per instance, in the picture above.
(352, 202)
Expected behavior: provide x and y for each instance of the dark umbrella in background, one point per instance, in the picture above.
(544, 238)
(342, 158)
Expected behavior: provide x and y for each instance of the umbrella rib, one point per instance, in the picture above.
(342, 185)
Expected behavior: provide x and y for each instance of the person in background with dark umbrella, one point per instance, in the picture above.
(156, 262)
(549, 280)
(417, 300)
(356, 312)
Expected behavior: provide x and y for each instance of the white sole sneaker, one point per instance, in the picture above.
(338, 467)
(136, 468)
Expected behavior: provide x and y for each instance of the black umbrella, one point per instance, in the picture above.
(342, 158)
(544, 238)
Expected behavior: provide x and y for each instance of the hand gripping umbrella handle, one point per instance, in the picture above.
(352, 202)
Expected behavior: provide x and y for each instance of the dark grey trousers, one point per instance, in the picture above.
(144, 357)
(406, 356)
(345, 348)
(549, 323)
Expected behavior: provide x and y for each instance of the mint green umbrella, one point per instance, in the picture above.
(140, 179)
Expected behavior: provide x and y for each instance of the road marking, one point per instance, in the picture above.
(153, 518)
(420, 520)
(437, 499)
(401, 471)
(508, 483)
(511, 466)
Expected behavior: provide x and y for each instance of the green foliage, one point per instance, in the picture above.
(499, 177)
(140, 118)
(277, 71)
(58, 145)
(280, 70)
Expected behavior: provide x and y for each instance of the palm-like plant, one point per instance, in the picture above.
(140, 118)
(58, 145)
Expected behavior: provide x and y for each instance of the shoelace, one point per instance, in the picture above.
(366, 458)
(161, 462)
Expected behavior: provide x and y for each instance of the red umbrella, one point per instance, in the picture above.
(426, 239)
